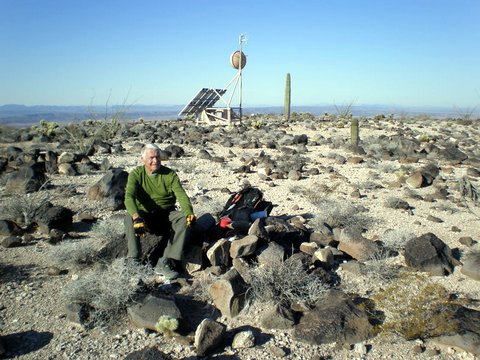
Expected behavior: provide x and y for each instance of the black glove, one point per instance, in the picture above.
(139, 226)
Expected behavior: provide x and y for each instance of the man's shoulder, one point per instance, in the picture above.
(166, 171)
(137, 170)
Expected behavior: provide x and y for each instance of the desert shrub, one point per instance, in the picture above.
(74, 254)
(338, 213)
(379, 268)
(396, 239)
(80, 140)
(416, 308)
(285, 282)
(23, 208)
(107, 292)
(109, 228)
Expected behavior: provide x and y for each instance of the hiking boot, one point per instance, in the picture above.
(165, 268)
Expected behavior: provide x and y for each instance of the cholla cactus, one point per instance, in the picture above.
(166, 325)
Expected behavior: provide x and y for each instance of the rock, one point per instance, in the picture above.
(467, 336)
(148, 353)
(208, 335)
(228, 293)
(467, 241)
(416, 180)
(26, 179)
(335, 318)
(243, 339)
(193, 260)
(277, 351)
(272, 253)
(430, 254)
(294, 175)
(67, 169)
(110, 187)
(434, 219)
(258, 229)
(53, 217)
(354, 244)
(278, 317)
(243, 247)
(471, 266)
(353, 267)
(325, 257)
(67, 157)
(219, 253)
(204, 154)
(146, 314)
(11, 242)
(76, 313)
(308, 247)
(9, 227)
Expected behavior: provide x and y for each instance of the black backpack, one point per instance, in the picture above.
(243, 203)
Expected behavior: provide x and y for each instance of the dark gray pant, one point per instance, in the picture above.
(176, 222)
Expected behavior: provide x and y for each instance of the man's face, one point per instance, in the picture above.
(151, 160)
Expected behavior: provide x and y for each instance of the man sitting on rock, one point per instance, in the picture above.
(151, 194)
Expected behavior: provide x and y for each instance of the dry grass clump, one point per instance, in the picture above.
(75, 254)
(107, 292)
(395, 239)
(22, 208)
(285, 282)
(109, 228)
(340, 214)
(380, 268)
(416, 308)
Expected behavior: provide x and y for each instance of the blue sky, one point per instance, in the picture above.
(393, 52)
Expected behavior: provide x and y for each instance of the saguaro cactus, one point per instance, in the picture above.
(354, 136)
(288, 93)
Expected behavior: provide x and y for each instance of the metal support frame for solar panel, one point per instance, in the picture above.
(201, 106)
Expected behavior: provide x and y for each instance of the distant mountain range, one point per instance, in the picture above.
(21, 115)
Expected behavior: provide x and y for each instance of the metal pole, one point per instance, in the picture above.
(240, 75)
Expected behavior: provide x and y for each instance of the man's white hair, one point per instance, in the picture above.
(149, 147)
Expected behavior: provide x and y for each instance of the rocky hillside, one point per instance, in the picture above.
(370, 249)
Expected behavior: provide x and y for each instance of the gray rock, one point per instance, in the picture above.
(110, 187)
(208, 336)
(471, 266)
(243, 247)
(146, 314)
(54, 217)
(278, 317)
(430, 254)
(243, 339)
(228, 293)
(354, 244)
(335, 318)
(148, 353)
(11, 242)
(219, 253)
(9, 227)
(27, 179)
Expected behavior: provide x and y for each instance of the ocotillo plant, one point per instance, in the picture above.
(288, 93)
(354, 136)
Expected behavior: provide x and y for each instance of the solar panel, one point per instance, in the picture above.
(204, 99)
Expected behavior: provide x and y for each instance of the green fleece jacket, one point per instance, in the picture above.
(157, 191)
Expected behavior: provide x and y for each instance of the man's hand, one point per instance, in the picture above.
(139, 226)
(191, 220)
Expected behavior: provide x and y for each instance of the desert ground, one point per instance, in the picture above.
(313, 174)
